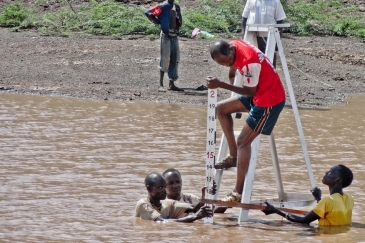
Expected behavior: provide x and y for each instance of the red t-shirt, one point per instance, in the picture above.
(255, 69)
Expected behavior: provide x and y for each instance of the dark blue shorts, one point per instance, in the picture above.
(261, 119)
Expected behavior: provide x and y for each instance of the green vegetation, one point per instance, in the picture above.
(112, 18)
(16, 15)
(329, 17)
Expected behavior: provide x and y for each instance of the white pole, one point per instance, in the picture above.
(210, 148)
(295, 109)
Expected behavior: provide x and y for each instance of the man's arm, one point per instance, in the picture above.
(179, 16)
(244, 24)
(214, 83)
(232, 74)
(310, 217)
(280, 29)
(280, 15)
(204, 211)
(152, 17)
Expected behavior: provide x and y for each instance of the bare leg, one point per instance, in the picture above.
(244, 141)
(161, 77)
(161, 88)
(224, 111)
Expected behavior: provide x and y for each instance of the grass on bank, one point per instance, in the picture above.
(110, 18)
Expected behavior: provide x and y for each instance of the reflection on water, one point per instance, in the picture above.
(72, 170)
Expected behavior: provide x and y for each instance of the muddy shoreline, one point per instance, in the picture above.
(323, 70)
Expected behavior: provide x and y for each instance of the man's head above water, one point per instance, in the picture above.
(338, 176)
(173, 183)
(156, 186)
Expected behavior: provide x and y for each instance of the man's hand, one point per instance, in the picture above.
(211, 191)
(317, 193)
(213, 83)
(270, 209)
(204, 211)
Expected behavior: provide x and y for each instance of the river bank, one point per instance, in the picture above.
(323, 70)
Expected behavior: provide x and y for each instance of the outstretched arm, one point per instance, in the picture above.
(204, 211)
(310, 217)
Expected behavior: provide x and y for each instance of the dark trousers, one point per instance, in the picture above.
(261, 44)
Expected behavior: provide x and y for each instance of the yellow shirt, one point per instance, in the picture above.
(170, 209)
(335, 209)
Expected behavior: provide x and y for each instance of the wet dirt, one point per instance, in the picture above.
(324, 70)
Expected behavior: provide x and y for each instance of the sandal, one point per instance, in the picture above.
(175, 88)
(232, 197)
(226, 163)
(202, 87)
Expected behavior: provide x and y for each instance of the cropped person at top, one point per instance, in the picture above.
(168, 16)
(261, 94)
(262, 12)
(333, 210)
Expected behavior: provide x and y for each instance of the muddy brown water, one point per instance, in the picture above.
(72, 170)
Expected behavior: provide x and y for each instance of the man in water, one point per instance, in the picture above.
(174, 191)
(333, 210)
(156, 208)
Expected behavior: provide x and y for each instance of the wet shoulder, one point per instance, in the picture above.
(189, 198)
(142, 201)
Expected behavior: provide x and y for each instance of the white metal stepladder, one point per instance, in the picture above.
(284, 199)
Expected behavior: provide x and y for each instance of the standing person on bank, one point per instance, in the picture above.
(261, 94)
(333, 210)
(168, 16)
(262, 12)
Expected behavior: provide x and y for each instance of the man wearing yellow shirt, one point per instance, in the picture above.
(333, 210)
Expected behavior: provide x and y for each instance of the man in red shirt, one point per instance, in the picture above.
(260, 93)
